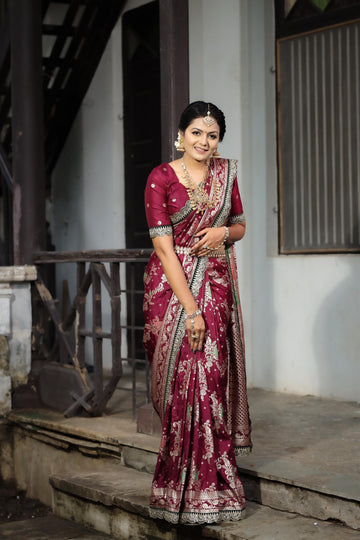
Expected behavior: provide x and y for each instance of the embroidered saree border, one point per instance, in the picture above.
(239, 427)
(195, 284)
(197, 279)
(197, 518)
(163, 230)
(240, 218)
(181, 214)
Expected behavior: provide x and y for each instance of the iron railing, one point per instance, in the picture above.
(116, 272)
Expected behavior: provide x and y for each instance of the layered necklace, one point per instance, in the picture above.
(198, 197)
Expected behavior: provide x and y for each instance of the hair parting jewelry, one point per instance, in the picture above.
(199, 199)
(208, 120)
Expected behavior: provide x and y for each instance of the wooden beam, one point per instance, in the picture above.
(27, 130)
(174, 64)
(5, 169)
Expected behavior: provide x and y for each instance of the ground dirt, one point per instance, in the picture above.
(15, 506)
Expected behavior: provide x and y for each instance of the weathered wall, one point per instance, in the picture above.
(15, 329)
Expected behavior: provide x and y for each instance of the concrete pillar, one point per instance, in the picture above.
(15, 329)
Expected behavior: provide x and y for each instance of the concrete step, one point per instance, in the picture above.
(115, 502)
(301, 462)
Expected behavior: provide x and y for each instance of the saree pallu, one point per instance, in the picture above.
(200, 397)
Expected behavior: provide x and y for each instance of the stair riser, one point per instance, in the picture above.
(301, 501)
(112, 520)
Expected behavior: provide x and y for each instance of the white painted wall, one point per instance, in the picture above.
(88, 187)
(300, 312)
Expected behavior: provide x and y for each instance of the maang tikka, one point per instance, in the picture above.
(207, 119)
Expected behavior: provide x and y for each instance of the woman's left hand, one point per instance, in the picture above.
(211, 238)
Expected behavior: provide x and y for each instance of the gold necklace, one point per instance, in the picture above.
(198, 197)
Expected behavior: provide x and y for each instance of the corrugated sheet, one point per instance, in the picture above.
(319, 140)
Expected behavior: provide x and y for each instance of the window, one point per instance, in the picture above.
(319, 139)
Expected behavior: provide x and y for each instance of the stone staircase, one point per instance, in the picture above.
(115, 502)
(300, 474)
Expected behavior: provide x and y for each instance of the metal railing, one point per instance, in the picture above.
(117, 272)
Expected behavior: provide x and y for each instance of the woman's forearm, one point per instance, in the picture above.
(236, 232)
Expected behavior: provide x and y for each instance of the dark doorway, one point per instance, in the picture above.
(142, 114)
(142, 134)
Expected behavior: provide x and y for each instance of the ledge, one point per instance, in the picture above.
(10, 274)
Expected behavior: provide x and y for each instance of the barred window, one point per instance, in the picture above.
(319, 140)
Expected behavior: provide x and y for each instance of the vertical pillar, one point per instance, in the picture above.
(27, 129)
(174, 64)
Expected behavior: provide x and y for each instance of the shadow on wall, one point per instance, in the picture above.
(336, 337)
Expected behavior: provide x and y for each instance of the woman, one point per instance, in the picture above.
(193, 326)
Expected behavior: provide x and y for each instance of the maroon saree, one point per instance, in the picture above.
(200, 397)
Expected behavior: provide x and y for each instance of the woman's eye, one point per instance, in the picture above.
(196, 132)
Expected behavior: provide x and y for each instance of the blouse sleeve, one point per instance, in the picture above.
(156, 207)
(236, 213)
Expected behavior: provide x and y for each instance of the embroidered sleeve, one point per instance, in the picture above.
(236, 213)
(156, 207)
(165, 230)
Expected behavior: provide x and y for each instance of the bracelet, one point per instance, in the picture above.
(193, 315)
(225, 237)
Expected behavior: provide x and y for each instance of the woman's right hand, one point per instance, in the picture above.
(196, 334)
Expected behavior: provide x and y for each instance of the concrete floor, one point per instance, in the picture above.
(311, 442)
(306, 441)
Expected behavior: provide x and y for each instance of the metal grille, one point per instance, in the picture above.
(319, 140)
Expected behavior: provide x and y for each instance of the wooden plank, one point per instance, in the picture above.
(97, 334)
(104, 276)
(96, 327)
(115, 319)
(50, 305)
(116, 255)
(82, 31)
(72, 410)
(5, 168)
(99, 406)
(81, 311)
(79, 298)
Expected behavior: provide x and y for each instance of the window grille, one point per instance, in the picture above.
(319, 140)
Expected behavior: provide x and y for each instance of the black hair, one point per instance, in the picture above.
(199, 109)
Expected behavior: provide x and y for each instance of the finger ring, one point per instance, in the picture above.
(206, 247)
(195, 336)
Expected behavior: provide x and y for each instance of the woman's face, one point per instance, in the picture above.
(200, 140)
